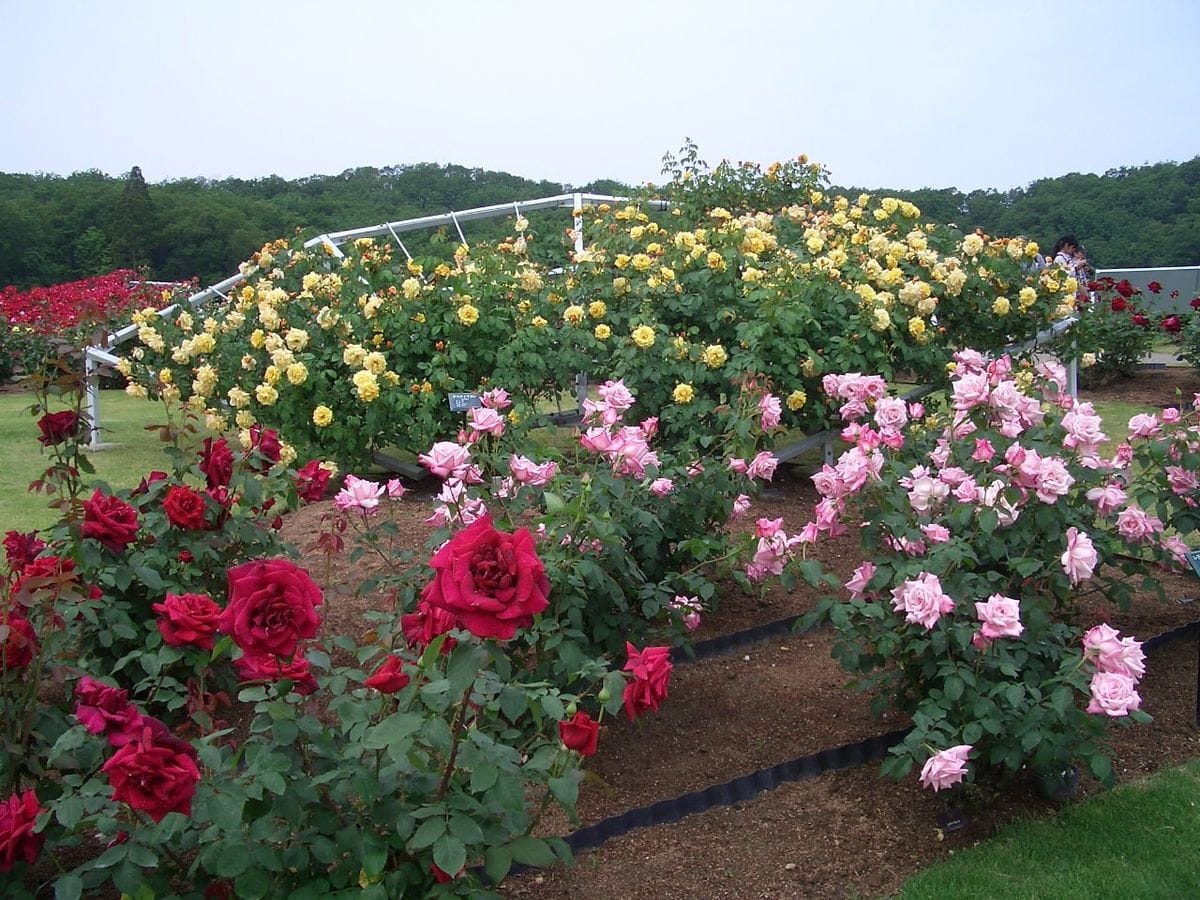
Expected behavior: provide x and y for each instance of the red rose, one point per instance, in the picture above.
(1195, 303)
(493, 581)
(1140, 320)
(441, 877)
(580, 734)
(57, 427)
(1119, 305)
(264, 442)
(1154, 287)
(389, 677)
(154, 772)
(110, 520)
(17, 640)
(21, 549)
(18, 815)
(426, 623)
(269, 667)
(185, 508)
(188, 620)
(1172, 324)
(103, 709)
(651, 670)
(1124, 288)
(272, 607)
(311, 481)
(216, 462)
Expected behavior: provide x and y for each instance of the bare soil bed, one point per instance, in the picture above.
(848, 833)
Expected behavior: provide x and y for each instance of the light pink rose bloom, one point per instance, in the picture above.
(762, 466)
(1113, 695)
(1135, 525)
(765, 528)
(970, 391)
(649, 426)
(857, 585)
(1183, 481)
(1107, 498)
(660, 487)
(1001, 617)
(770, 411)
(446, 459)
(483, 420)
(999, 368)
(936, 534)
(969, 360)
(1171, 415)
(979, 642)
(891, 414)
(945, 768)
(1113, 653)
(695, 470)
(1177, 548)
(527, 471)
(595, 440)
(922, 600)
(1079, 561)
(967, 491)
(395, 490)
(1144, 425)
(927, 493)
(497, 398)
(741, 505)
(984, 450)
(1102, 642)
(1053, 480)
(916, 410)
(1054, 372)
(360, 494)
(737, 465)
(616, 395)
(1083, 428)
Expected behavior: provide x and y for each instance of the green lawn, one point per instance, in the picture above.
(1138, 841)
(136, 452)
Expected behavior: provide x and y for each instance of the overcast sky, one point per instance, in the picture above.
(901, 94)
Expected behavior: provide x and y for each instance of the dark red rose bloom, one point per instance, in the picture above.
(57, 427)
(389, 677)
(1140, 320)
(18, 815)
(1172, 324)
(1124, 288)
(272, 607)
(150, 479)
(219, 890)
(441, 877)
(18, 642)
(1195, 303)
(1094, 286)
(154, 773)
(311, 481)
(265, 443)
(185, 556)
(492, 581)
(110, 520)
(1119, 304)
(1154, 287)
(103, 709)
(269, 667)
(216, 462)
(188, 620)
(651, 670)
(426, 623)
(580, 734)
(185, 508)
(20, 549)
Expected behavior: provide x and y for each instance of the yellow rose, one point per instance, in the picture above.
(257, 338)
(366, 385)
(354, 354)
(272, 375)
(683, 393)
(641, 262)
(714, 356)
(1026, 297)
(796, 400)
(715, 261)
(972, 245)
(602, 332)
(266, 395)
(297, 373)
(597, 309)
(880, 320)
(322, 416)
(468, 314)
(375, 362)
(136, 390)
(1001, 306)
(244, 418)
(296, 339)
(538, 322)
(916, 326)
(621, 260)
(573, 314)
(643, 336)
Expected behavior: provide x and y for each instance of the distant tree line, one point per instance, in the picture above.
(54, 228)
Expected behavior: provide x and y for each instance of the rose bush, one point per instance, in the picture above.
(1113, 333)
(982, 523)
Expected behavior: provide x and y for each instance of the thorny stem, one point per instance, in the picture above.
(460, 719)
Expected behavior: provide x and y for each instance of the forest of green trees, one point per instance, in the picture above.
(54, 228)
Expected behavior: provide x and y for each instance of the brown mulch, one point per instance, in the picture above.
(849, 833)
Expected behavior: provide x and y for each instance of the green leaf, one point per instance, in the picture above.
(226, 811)
(483, 778)
(69, 811)
(953, 688)
(497, 862)
(68, 887)
(393, 729)
(1102, 768)
(233, 859)
(554, 503)
(465, 829)
(566, 789)
(430, 830)
(972, 733)
(449, 855)
(531, 851)
(253, 883)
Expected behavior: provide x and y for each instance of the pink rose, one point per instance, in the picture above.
(945, 768)
(446, 459)
(1079, 561)
(103, 709)
(857, 585)
(496, 398)
(483, 420)
(762, 466)
(1144, 425)
(770, 410)
(527, 471)
(1001, 617)
(1113, 695)
(922, 600)
(651, 673)
(360, 494)
(660, 487)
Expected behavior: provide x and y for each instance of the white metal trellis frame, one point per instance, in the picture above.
(99, 355)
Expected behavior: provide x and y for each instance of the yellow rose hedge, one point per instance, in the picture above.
(347, 354)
